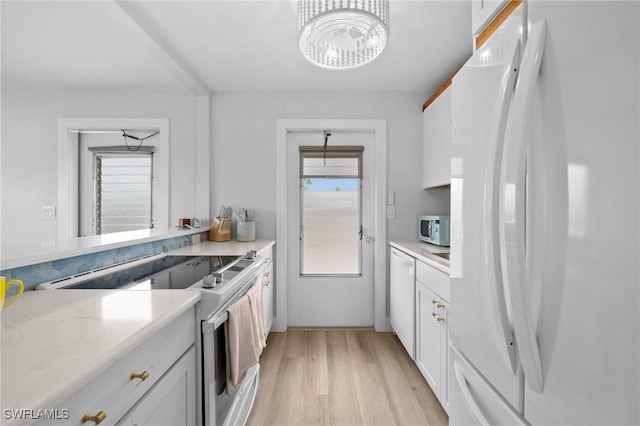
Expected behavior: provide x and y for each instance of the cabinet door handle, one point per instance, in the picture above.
(97, 419)
(434, 301)
(435, 314)
(439, 305)
(440, 319)
(142, 376)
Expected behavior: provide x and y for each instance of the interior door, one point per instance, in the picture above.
(330, 278)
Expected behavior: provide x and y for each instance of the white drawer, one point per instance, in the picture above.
(436, 280)
(114, 391)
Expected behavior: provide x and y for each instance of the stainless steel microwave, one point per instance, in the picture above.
(434, 229)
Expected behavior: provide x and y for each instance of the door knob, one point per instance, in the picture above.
(369, 239)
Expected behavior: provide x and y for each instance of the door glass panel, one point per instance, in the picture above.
(330, 213)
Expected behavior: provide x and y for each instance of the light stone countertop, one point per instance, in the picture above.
(224, 248)
(424, 252)
(22, 253)
(55, 342)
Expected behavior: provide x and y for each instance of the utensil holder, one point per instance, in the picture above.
(246, 231)
(220, 229)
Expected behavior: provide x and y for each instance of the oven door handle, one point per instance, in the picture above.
(215, 322)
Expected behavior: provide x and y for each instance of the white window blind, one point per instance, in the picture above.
(330, 211)
(123, 189)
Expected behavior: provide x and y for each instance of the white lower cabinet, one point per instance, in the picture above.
(268, 284)
(158, 374)
(267, 297)
(432, 334)
(171, 401)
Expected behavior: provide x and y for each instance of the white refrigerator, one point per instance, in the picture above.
(545, 211)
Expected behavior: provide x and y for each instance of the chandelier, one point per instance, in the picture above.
(342, 34)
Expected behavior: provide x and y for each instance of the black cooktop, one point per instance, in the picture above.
(170, 272)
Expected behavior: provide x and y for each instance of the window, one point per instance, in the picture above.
(330, 210)
(122, 193)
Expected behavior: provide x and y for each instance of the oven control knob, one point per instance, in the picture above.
(212, 280)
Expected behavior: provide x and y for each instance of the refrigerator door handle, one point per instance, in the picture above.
(467, 397)
(512, 187)
(493, 247)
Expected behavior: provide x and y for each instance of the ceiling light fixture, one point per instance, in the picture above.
(342, 34)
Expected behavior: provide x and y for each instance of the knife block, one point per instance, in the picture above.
(220, 229)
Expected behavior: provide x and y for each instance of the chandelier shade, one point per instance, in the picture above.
(342, 34)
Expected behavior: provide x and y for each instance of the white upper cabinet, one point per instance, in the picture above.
(483, 11)
(436, 142)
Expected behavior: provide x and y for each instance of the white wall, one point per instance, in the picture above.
(28, 150)
(243, 151)
(242, 155)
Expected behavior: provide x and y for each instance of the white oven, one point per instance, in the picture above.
(219, 407)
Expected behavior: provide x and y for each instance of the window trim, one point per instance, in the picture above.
(67, 165)
(341, 151)
(126, 152)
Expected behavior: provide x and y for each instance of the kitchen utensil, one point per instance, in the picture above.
(246, 231)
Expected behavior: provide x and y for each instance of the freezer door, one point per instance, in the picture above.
(583, 278)
(476, 401)
(479, 317)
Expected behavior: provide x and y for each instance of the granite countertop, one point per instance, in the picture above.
(224, 248)
(424, 252)
(55, 342)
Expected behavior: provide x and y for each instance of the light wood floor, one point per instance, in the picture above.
(341, 377)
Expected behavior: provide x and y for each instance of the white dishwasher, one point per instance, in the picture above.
(402, 298)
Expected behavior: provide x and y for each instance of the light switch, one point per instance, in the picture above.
(391, 197)
(391, 212)
(48, 213)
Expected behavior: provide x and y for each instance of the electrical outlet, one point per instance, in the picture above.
(48, 213)
(47, 243)
(391, 212)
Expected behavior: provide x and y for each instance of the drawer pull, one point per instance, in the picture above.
(440, 319)
(434, 301)
(142, 376)
(439, 305)
(435, 314)
(97, 419)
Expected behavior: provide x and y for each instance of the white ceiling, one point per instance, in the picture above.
(215, 45)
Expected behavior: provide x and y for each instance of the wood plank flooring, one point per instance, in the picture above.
(341, 378)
